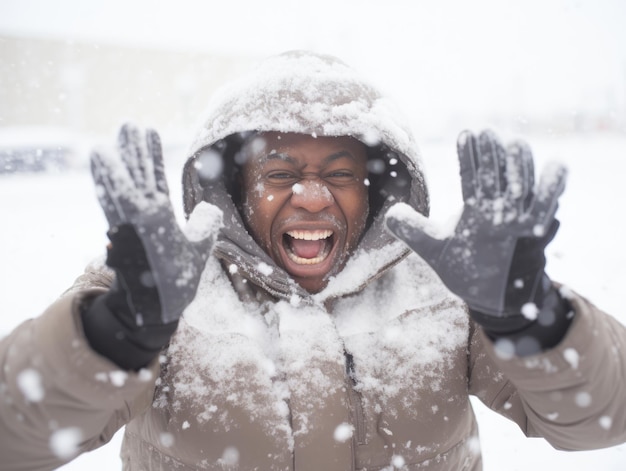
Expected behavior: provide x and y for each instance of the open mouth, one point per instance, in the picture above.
(305, 247)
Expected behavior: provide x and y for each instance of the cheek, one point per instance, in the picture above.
(259, 211)
(356, 209)
(252, 197)
(362, 214)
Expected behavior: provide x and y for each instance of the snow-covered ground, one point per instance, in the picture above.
(51, 226)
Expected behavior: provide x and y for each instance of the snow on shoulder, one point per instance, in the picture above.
(218, 338)
(403, 332)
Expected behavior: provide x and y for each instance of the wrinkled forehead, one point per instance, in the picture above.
(294, 147)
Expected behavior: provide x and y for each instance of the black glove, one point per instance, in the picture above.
(494, 260)
(157, 267)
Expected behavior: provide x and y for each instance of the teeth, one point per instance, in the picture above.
(310, 235)
(309, 261)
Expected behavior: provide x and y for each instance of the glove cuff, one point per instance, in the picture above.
(531, 336)
(129, 348)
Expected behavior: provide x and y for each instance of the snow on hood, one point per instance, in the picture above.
(307, 93)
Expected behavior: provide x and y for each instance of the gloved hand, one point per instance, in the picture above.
(494, 260)
(157, 267)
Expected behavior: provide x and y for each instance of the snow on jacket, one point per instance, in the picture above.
(372, 373)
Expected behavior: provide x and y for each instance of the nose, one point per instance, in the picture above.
(311, 195)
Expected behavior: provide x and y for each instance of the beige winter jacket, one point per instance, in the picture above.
(373, 373)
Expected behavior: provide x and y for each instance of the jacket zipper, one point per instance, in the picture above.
(356, 402)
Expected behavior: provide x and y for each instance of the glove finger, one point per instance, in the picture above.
(416, 231)
(466, 151)
(551, 186)
(491, 165)
(203, 226)
(155, 151)
(193, 189)
(131, 148)
(520, 175)
(551, 232)
(106, 190)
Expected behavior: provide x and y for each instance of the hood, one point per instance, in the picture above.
(307, 93)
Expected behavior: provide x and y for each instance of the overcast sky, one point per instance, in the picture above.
(532, 55)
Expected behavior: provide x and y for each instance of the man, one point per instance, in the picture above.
(309, 230)
(289, 328)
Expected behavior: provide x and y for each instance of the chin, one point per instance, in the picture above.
(313, 286)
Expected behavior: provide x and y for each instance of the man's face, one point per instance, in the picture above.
(305, 201)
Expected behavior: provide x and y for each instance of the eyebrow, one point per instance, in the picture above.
(287, 158)
(278, 156)
(339, 155)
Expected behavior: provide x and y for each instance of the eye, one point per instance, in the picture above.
(340, 177)
(341, 174)
(282, 177)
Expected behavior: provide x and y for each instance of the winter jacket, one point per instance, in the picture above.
(374, 372)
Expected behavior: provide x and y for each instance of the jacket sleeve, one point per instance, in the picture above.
(58, 397)
(572, 395)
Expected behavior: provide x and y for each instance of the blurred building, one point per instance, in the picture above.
(91, 87)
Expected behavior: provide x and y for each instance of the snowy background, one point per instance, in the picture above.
(516, 67)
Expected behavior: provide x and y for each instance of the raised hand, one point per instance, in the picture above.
(494, 259)
(158, 268)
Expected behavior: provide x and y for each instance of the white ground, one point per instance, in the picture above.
(51, 226)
